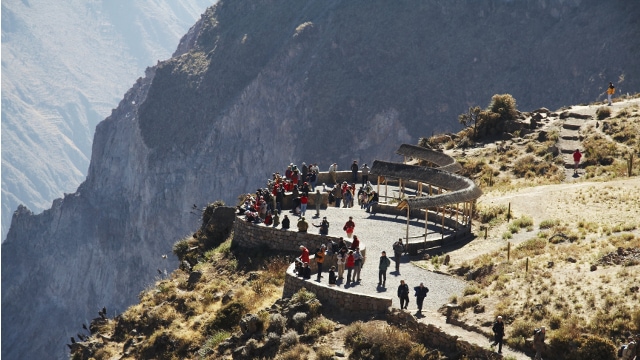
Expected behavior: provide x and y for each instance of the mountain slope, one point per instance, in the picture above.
(256, 85)
(64, 66)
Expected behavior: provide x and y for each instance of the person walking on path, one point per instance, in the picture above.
(382, 269)
(320, 260)
(576, 160)
(403, 294)
(538, 342)
(398, 249)
(610, 91)
(318, 200)
(421, 293)
(349, 226)
(498, 333)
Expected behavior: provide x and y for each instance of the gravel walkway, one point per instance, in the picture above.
(378, 233)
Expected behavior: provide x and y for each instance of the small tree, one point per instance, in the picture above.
(471, 117)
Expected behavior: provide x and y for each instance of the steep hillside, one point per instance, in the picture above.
(257, 84)
(64, 66)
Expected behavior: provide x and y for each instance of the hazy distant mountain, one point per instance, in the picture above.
(65, 65)
(260, 83)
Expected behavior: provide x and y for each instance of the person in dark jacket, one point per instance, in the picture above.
(498, 333)
(403, 294)
(382, 269)
(285, 222)
(421, 293)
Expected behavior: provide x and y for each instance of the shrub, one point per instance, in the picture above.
(289, 339)
(370, 340)
(492, 213)
(603, 112)
(505, 106)
(212, 342)
(299, 351)
(468, 302)
(228, 316)
(319, 326)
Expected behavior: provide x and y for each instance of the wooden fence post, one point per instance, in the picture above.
(526, 268)
(509, 212)
(508, 250)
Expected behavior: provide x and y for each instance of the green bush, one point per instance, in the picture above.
(549, 223)
(371, 341)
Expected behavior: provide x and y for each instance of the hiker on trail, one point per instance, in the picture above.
(350, 264)
(421, 293)
(349, 226)
(398, 249)
(610, 91)
(403, 294)
(576, 160)
(354, 171)
(365, 174)
(320, 260)
(538, 342)
(382, 269)
(498, 333)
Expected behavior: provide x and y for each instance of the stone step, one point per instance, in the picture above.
(571, 126)
(570, 137)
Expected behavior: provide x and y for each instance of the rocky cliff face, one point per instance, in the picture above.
(257, 84)
(64, 66)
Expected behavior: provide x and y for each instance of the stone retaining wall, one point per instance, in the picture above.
(336, 298)
(255, 236)
(433, 337)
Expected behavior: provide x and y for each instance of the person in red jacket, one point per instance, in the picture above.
(576, 160)
(356, 243)
(304, 200)
(350, 264)
(349, 226)
(304, 256)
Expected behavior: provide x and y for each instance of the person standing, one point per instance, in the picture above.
(398, 249)
(320, 260)
(365, 174)
(332, 276)
(304, 254)
(318, 200)
(576, 160)
(303, 225)
(538, 342)
(304, 200)
(341, 261)
(358, 262)
(286, 223)
(610, 91)
(349, 226)
(354, 171)
(349, 264)
(403, 294)
(421, 293)
(337, 194)
(333, 172)
(382, 269)
(498, 333)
